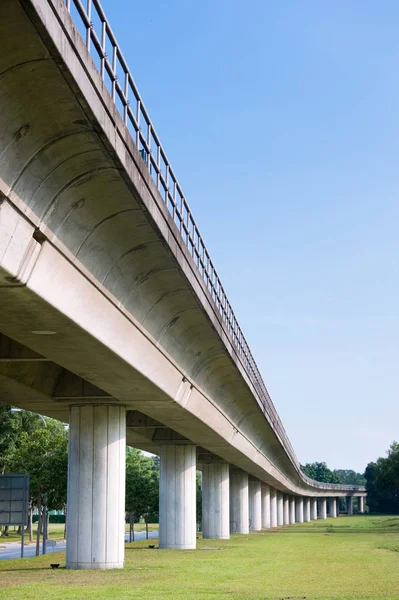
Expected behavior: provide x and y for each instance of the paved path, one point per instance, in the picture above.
(13, 549)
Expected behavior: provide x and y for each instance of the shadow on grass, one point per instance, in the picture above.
(32, 569)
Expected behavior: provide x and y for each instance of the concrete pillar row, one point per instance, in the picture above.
(265, 495)
(280, 509)
(323, 508)
(361, 504)
(216, 501)
(177, 497)
(306, 510)
(299, 509)
(286, 509)
(333, 507)
(292, 510)
(349, 504)
(313, 509)
(273, 507)
(255, 505)
(239, 501)
(96, 487)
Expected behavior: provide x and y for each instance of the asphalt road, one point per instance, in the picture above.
(13, 549)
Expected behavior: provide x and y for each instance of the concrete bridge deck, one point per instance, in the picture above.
(108, 296)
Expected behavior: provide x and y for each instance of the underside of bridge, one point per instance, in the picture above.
(101, 304)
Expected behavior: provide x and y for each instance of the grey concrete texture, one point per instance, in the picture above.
(88, 250)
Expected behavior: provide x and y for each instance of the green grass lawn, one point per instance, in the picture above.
(337, 559)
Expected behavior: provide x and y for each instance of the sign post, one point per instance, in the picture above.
(14, 502)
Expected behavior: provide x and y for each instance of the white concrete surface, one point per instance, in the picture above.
(313, 509)
(265, 492)
(323, 508)
(292, 510)
(255, 504)
(177, 497)
(306, 509)
(361, 504)
(299, 509)
(280, 508)
(286, 509)
(96, 487)
(239, 501)
(273, 507)
(215, 500)
(332, 504)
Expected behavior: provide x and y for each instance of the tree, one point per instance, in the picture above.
(382, 482)
(320, 472)
(349, 477)
(142, 488)
(44, 456)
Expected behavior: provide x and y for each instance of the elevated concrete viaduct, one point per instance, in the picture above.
(112, 315)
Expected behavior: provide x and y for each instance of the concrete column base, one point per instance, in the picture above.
(239, 502)
(273, 507)
(215, 501)
(292, 510)
(299, 509)
(333, 507)
(322, 508)
(255, 505)
(313, 509)
(361, 504)
(177, 497)
(280, 509)
(306, 510)
(96, 487)
(286, 509)
(265, 494)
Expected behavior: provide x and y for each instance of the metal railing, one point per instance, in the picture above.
(103, 47)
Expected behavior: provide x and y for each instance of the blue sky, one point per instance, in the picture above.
(281, 121)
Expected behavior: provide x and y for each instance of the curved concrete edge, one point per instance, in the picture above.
(107, 336)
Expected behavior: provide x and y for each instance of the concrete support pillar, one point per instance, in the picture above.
(273, 507)
(306, 510)
(280, 509)
(292, 510)
(337, 507)
(215, 501)
(349, 504)
(255, 505)
(265, 493)
(299, 509)
(177, 497)
(313, 509)
(239, 505)
(333, 507)
(361, 504)
(96, 487)
(323, 508)
(286, 509)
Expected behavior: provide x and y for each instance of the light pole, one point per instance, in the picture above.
(19, 410)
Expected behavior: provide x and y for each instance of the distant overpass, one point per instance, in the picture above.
(112, 315)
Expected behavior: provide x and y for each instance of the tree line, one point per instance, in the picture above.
(320, 472)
